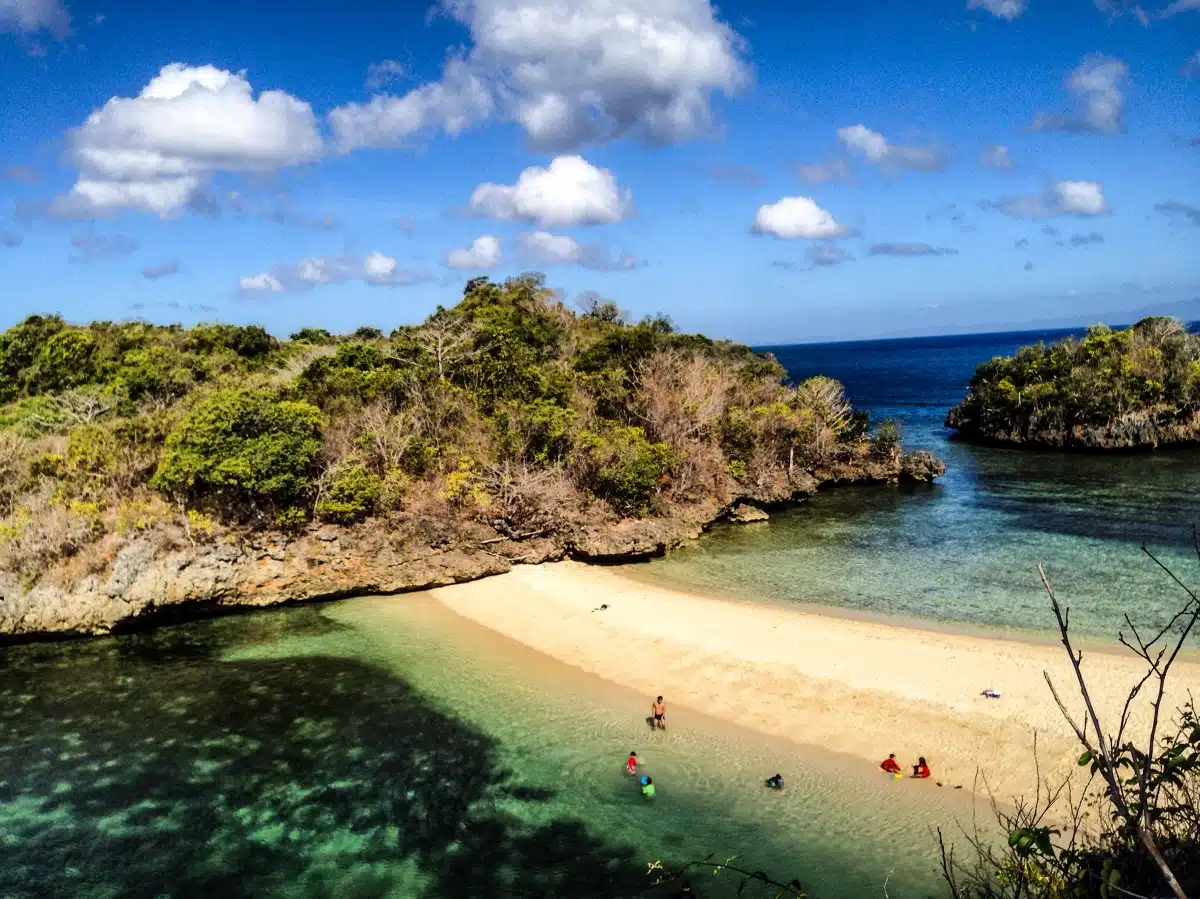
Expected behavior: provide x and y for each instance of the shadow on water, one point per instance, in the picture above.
(145, 766)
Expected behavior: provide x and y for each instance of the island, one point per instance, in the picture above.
(149, 472)
(1131, 389)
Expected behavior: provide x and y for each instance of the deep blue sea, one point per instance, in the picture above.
(963, 551)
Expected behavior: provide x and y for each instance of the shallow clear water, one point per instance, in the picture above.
(965, 549)
(388, 748)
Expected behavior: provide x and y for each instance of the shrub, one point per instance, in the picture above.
(348, 492)
(886, 441)
(622, 466)
(242, 453)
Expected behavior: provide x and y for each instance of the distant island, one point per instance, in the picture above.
(145, 469)
(1136, 388)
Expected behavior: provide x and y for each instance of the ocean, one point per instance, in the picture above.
(962, 552)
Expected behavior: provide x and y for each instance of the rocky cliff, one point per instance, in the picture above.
(1134, 430)
(151, 579)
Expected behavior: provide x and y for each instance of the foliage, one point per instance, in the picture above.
(242, 452)
(507, 407)
(1151, 368)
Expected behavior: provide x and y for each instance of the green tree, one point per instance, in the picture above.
(242, 453)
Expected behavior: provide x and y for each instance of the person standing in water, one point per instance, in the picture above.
(658, 708)
(631, 763)
(648, 787)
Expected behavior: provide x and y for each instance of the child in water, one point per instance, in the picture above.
(776, 782)
(647, 787)
(631, 763)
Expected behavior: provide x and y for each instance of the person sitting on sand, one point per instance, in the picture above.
(776, 782)
(890, 765)
(631, 763)
(647, 787)
(920, 769)
(659, 709)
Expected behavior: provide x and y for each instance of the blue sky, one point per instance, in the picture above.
(769, 174)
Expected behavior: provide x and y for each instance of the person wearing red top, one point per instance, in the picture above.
(631, 764)
(890, 765)
(920, 769)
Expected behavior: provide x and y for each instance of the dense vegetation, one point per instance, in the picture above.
(508, 408)
(1112, 389)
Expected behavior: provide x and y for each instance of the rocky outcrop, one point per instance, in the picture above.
(151, 579)
(744, 514)
(1146, 429)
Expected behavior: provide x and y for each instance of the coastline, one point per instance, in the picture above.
(857, 687)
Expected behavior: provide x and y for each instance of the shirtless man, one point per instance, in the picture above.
(659, 709)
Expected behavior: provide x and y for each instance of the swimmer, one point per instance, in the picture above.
(890, 765)
(920, 769)
(631, 763)
(648, 788)
(659, 709)
(776, 782)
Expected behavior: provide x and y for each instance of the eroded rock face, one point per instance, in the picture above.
(744, 514)
(1134, 430)
(147, 582)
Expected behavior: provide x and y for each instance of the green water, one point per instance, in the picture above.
(387, 748)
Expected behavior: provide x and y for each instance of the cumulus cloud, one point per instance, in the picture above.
(797, 217)
(892, 158)
(1175, 208)
(571, 191)
(154, 152)
(484, 252)
(380, 74)
(1081, 198)
(1001, 9)
(376, 268)
(823, 172)
(11, 238)
(544, 248)
(569, 73)
(93, 247)
(995, 156)
(30, 17)
(1114, 9)
(154, 272)
(260, 283)
(910, 249)
(1098, 87)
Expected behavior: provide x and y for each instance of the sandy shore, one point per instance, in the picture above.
(858, 687)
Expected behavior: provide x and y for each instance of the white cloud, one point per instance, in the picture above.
(1114, 9)
(1001, 9)
(92, 247)
(823, 172)
(796, 217)
(155, 151)
(484, 252)
(165, 270)
(1181, 6)
(1098, 88)
(260, 283)
(995, 156)
(893, 158)
(380, 74)
(1081, 198)
(569, 73)
(571, 191)
(910, 249)
(544, 248)
(32, 16)
(826, 254)
(376, 268)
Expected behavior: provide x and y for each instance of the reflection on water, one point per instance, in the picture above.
(965, 549)
(388, 748)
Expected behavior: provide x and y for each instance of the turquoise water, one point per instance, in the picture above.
(388, 748)
(964, 550)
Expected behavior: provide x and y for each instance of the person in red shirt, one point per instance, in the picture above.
(631, 763)
(890, 765)
(920, 769)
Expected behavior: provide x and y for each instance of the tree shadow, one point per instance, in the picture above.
(144, 766)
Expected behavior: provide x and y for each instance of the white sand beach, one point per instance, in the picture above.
(865, 688)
